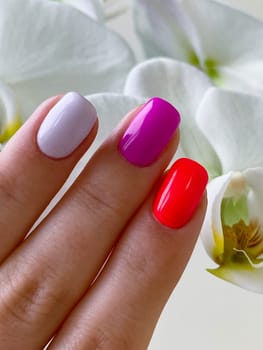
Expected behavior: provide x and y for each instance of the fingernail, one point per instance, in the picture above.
(149, 132)
(180, 193)
(67, 124)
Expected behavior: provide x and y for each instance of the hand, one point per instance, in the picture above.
(97, 271)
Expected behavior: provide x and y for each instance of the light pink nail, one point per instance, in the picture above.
(67, 124)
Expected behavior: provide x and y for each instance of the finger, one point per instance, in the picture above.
(124, 304)
(67, 250)
(31, 172)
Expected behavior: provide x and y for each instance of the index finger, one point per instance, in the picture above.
(30, 176)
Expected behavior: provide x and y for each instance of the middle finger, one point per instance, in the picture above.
(52, 269)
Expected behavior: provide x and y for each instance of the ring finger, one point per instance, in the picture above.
(122, 307)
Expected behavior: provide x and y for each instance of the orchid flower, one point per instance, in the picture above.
(63, 50)
(233, 228)
(221, 41)
(222, 130)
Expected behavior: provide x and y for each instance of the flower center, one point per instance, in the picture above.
(243, 236)
(242, 241)
(10, 119)
(209, 67)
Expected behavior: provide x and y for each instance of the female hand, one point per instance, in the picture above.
(97, 271)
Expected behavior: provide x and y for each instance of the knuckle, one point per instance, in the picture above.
(106, 340)
(7, 186)
(97, 199)
(26, 297)
(136, 264)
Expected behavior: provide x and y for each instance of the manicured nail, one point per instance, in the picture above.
(149, 132)
(180, 193)
(67, 124)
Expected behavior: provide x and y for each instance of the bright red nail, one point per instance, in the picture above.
(180, 193)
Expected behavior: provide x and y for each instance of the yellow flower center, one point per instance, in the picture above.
(242, 241)
(209, 67)
(10, 129)
(10, 118)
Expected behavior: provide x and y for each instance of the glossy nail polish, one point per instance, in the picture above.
(180, 193)
(149, 132)
(67, 124)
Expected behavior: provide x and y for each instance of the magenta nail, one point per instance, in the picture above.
(149, 132)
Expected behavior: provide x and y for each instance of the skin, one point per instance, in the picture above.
(52, 282)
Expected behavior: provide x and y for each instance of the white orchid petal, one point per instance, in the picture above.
(244, 77)
(212, 231)
(92, 8)
(163, 19)
(233, 124)
(243, 276)
(254, 178)
(9, 113)
(111, 108)
(184, 86)
(67, 50)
